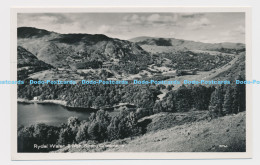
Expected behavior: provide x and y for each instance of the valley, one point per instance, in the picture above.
(134, 117)
(84, 56)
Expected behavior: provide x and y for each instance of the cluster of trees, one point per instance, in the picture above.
(89, 64)
(100, 127)
(104, 74)
(200, 61)
(92, 96)
(132, 67)
(219, 101)
(158, 42)
(228, 99)
(185, 99)
(231, 51)
(40, 134)
(129, 67)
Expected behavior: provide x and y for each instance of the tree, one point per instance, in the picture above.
(112, 129)
(228, 101)
(73, 122)
(82, 134)
(169, 87)
(241, 97)
(93, 131)
(157, 107)
(235, 104)
(123, 125)
(142, 112)
(97, 130)
(25, 139)
(183, 100)
(67, 136)
(216, 102)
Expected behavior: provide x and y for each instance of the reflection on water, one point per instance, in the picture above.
(50, 114)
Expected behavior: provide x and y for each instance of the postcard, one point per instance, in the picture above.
(131, 83)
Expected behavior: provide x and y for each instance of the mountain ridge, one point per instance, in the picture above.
(181, 44)
(62, 50)
(141, 38)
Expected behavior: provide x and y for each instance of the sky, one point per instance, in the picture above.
(203, 27)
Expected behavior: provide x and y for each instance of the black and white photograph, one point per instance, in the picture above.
(131, 82)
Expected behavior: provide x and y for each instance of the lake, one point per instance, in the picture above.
(50, 114)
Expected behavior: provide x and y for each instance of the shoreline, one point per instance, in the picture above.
(59, 102)
(64, 103)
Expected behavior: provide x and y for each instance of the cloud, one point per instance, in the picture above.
(150, 19)
(108, 29)
(104, 29)
(50, 18)
(234, 35)
(188, 25)
(191, 15)
(62, 23)
(199, 24)
(240, 30)
(133, 19)
(156, 18)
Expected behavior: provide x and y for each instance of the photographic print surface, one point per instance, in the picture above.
(130, 82)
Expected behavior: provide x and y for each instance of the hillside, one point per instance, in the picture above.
(65, 50)
(28, 63)
(169, 44)
(29, 32)
(238, 68)
(224, 134)
(91, 56)
(26, 58)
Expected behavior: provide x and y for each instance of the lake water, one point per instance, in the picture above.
(50, 114)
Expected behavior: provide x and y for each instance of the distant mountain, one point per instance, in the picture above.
(63, 50)
(179, 44)
(152, 41)
(27, 32)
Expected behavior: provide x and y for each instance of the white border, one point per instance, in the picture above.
(128, 155)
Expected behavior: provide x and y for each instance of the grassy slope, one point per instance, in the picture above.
(225, 134)
(197, 134)
(166, 120)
